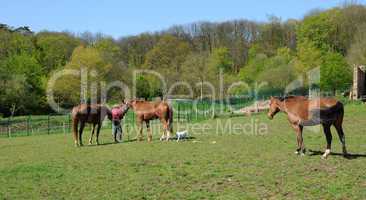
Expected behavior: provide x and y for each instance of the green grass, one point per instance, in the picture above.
(211, 166)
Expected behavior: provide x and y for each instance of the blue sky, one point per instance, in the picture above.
(121, 18)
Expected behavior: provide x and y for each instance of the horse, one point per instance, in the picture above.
(148, 110)
(88, 113)
(302, 111)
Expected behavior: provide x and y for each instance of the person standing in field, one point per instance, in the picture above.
(118, 112)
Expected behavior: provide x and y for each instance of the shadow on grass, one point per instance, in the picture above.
(349, 156)
(135, 140)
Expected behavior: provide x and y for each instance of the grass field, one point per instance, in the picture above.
(212, 165)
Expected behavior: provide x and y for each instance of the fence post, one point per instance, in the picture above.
(178, 111)
(8, 127)
(48, 124)
(28, 121)
(69, 122)
(128, 133)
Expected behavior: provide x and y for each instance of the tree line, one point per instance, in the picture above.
(274, 51)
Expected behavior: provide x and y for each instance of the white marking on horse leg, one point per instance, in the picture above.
(326, 153)
(168, 136)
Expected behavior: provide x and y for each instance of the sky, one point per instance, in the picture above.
(123, 18)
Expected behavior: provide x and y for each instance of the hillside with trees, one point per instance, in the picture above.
(274, 51)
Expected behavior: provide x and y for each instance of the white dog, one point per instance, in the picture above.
(181, 135)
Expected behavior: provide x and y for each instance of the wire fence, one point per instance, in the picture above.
(185, 111)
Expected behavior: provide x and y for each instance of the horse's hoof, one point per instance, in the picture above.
(297, 153)
(302, 154)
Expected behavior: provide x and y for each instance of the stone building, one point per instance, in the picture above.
(359, 83)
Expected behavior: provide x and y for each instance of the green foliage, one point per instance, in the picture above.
(308, 57)
(15, 43)
(320, 29)
(22, 88)
(143, 89)
(221, 59)
(168, 54)
(357, 52)
(109, 49)
(335, 73)
(55, 49)
(274, 52)
(90, 62)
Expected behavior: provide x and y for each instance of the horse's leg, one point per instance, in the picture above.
(82, 125)
(300, 141)
(98, 131)
(92, 134)
(139, 134)
(328, 136)
(75, 132)
(338, 126)
(149, 133)
(167, 131)
(163, 136)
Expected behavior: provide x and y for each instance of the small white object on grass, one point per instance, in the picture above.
(181, 135)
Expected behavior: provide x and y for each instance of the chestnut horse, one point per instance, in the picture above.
(302, 111)
(148, 110)
(93, 114)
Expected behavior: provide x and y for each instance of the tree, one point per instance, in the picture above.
(143, 89)
(357, 52)
(22, 88)
(13, 43)
(55, 49)
(322, 30)
(221, 59)
(335, 73)
(87, 60)
(257, 63)
(168, 54)
(308, 57)
(196, 70)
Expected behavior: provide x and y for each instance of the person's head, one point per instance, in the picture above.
(274, 107)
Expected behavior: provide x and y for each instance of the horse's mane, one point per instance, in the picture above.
(291, 97)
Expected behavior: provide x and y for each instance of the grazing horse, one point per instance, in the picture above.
(93, 114)
(146, 111)
(302, 111)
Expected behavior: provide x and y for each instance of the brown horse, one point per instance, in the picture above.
(146, 111)
(302, 111)
(93, 114)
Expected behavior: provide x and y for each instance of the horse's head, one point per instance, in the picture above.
(124, 107)
(274, 107)
(128, 103)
